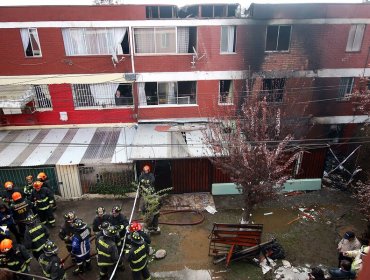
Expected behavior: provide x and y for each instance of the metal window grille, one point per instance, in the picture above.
(42, 97)
(345, 87)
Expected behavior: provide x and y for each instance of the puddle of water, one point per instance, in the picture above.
(275, 222)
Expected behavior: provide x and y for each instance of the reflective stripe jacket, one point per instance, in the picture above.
(42, 198)
(107, 251)
(35, 237)
(98, 221)
(52, 267)
(81, 244)
(6, 217)
(120, 222)
(66, 232)
(18, 258)
(21, 209)
(138, 256)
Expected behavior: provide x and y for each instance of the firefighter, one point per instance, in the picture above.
(42, 177)
(6, 220)
(100, 217)
(15, 257)
(138, 257)
(66, 230)
(27, 189)
(51, 265)
(146, 177)
(35, 236)
(9, 190)
(42, 199)
(102, 227)
(4, 233)
(118, 220)
(81, 246)
(21, 208)
(135, 226)
(107, 251)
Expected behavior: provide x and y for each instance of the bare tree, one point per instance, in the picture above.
(248, 145)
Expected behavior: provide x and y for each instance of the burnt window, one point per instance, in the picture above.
(278, 37)
(226, 92)
(160, 11)
(189, 12)
(217, 10)
(186, 92)
(273, 90)
(207, 11)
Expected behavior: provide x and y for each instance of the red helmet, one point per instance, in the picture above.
(16, 196)
(42, 176)
(6, 245)
(135, 226)
(37, 185)
(9, 185)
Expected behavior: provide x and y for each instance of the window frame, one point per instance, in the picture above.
(193, 35)
(346, 85)
(277, 39)
(234, 42)
(42, 103)
(228, 97)
(273, 95)
(177, 97)
(354, 32)
(34, 31)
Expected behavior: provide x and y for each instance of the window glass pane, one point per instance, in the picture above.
(351, 37)
(271, 37)
(359, 34)
(284, 38)
(165, 40)
(144, 40)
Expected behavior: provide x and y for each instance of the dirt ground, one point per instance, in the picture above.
(306, 241)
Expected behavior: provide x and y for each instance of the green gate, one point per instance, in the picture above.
(18, 175)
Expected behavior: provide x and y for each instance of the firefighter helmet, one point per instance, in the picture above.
(136, 238)
(9, 185)
(111, 231)
(135, 226)
(50, 248)
(37, 185)
(364, 250)
(70, 216)
(100, 210)
(42, 176)
(16, 196)
(6, 245)
(104, 225)
(116, 209)
(79, 224)
(31, 219)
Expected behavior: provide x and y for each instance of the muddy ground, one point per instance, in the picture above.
(309, 241)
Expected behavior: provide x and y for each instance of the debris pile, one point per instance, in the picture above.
(289, 272)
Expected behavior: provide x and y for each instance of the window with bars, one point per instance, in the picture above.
(165, 40)
(228, 39)
(355, 36)
(164, 93)
(345, 87)
(104, 95)
(273, 90)
(42, 97)
(31, 42)
(278, 37)
(226, 92)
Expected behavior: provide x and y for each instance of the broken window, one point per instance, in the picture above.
(31, 42)
(278, 37)
(345, 87)
(161, 11)
(95, 41)
(228, 39)
(273, 90)
(42, 97)
(189, 12)
(217, 10)
(164, 93)
(355, 36)
(165, 40)
(105, 95)
(226, 92)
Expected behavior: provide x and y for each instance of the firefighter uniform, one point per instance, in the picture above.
(138, 257)
(66, 230)
(27, 189)
(50, 262)
(42, 199)
(81, 246)
(16, 258)
(21, 209)
(35, 236)
(107, 252)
